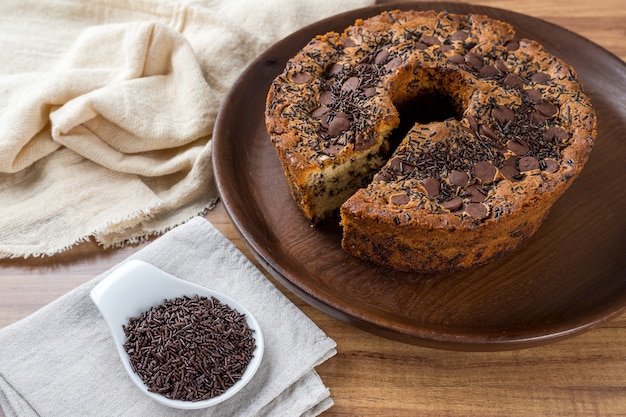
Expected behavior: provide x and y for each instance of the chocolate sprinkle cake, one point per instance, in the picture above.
(442, 140)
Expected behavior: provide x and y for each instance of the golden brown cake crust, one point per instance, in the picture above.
(456, 192)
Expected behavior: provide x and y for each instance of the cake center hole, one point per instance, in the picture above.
(424, 108)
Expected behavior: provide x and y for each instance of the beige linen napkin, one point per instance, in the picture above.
(61, 360)
(107, 109)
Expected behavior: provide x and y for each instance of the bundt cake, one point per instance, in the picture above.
(441, 139)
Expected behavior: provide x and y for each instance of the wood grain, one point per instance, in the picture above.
(373, 376)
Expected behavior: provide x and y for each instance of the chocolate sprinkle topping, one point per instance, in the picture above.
(515, 129)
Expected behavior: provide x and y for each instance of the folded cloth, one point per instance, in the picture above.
(107, 109)
(61, 360)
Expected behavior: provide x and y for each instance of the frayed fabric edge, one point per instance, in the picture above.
(42, 254)
(144, 237)
(131, 241)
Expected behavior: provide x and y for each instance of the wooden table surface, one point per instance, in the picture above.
(372, 376)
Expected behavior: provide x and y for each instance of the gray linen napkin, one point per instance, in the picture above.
(61, 360)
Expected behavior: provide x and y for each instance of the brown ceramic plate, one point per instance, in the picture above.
(569, 277)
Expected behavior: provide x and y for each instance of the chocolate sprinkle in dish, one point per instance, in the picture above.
(189, 348)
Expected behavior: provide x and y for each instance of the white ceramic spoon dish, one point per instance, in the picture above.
(135, 287)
